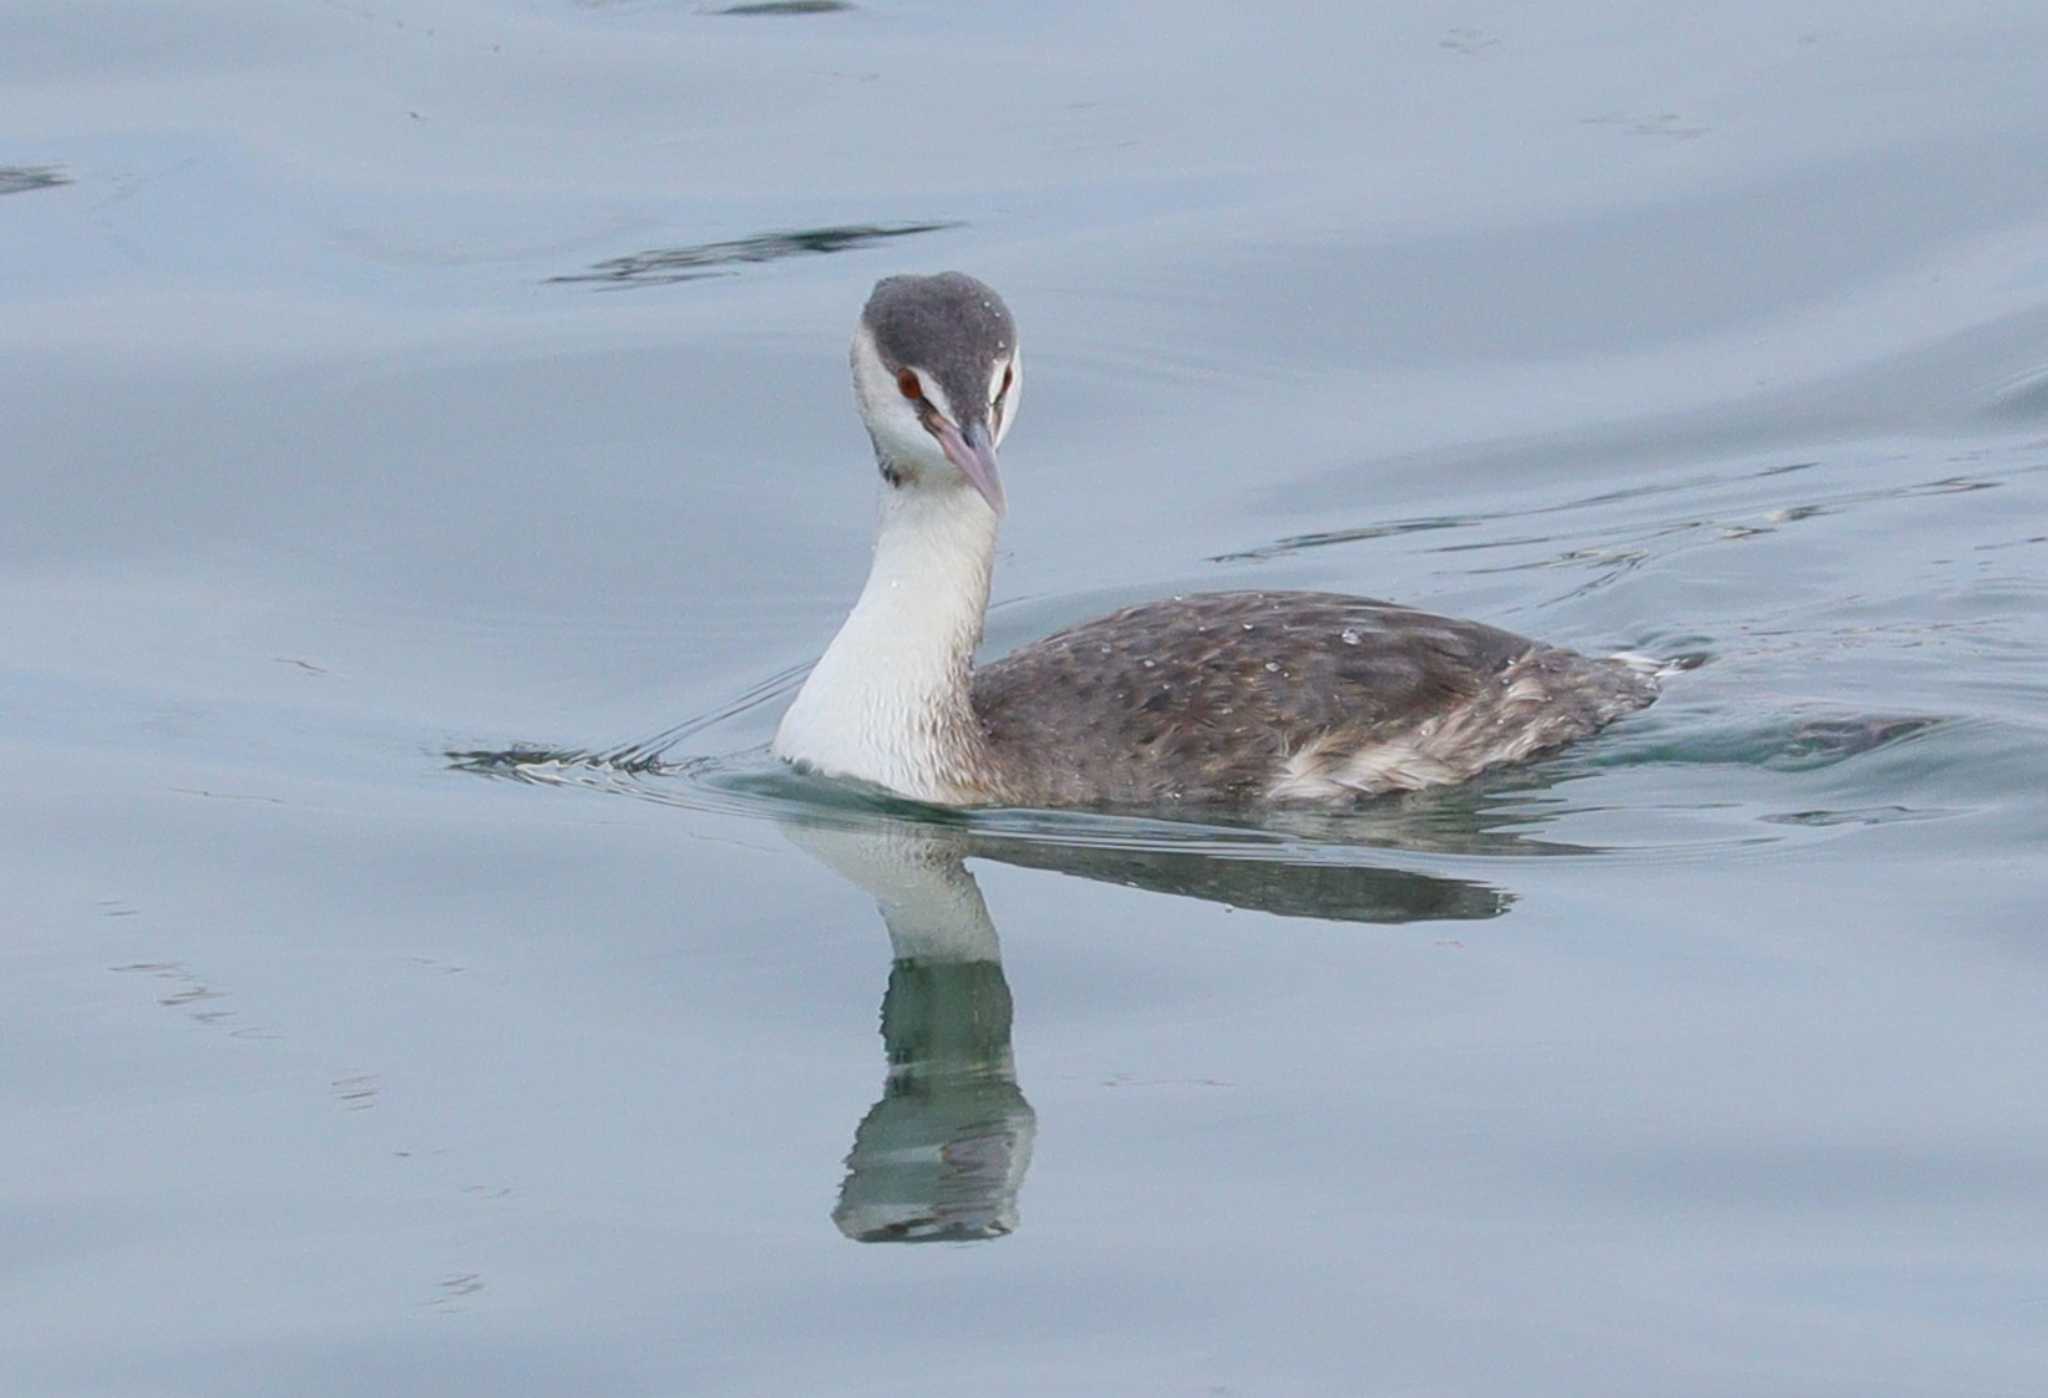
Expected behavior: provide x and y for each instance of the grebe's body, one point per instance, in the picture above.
(1229, 698)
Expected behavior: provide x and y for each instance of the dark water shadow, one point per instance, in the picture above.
(665, 266)
(746, 9)
(785, 7)
(21, 179)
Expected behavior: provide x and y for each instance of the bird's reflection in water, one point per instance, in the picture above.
(941, 1157)
(943, 1154)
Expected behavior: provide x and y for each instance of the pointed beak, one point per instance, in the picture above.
(974, 454)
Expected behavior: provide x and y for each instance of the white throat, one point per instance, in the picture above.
(888, 702)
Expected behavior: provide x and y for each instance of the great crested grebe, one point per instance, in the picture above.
(1221, 698)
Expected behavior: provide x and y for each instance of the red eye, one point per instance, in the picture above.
(909, 387)
(1006, 382)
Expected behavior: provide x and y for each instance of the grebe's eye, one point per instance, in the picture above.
(1007, 376)
(909, 387)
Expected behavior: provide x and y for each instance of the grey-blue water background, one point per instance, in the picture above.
(379, 381)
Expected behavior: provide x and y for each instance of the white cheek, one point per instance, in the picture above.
(889, 415)
(903, 437)
(1016, 398)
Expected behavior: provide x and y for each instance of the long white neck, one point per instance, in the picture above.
(888, 702)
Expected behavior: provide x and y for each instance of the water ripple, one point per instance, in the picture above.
(666, 266)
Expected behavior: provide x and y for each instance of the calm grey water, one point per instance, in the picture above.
(385, 381)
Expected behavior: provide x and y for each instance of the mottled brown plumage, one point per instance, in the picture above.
(1207, 698)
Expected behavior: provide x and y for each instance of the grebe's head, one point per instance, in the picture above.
(937, 373)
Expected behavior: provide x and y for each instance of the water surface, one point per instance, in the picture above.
(379, 383)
